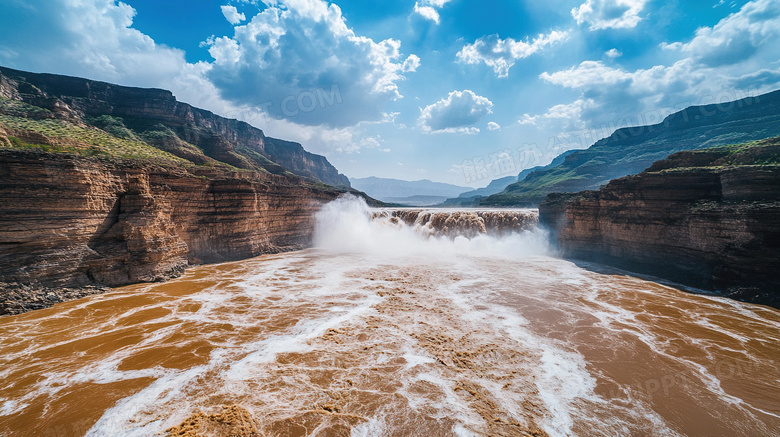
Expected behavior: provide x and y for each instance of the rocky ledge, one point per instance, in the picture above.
(71, 225)
(709, 219)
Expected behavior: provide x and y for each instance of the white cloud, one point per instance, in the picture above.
(456, 113)
(588, 73)
(492, 125)
(429, 9)
(501, 54)
(671, 47)
(95, 39)
(611, 93)
(297, 49)
(721, 63)
(84, 38)
(609, 14)
(739, 36)
(411, 64)
(427, 12)
(232, 15)
(613, 53)
(527, 119)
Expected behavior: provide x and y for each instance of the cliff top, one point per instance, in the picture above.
(764, 152)
(761, 155)
(631, 150)
(65, 114)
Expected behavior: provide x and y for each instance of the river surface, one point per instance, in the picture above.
(383, 330)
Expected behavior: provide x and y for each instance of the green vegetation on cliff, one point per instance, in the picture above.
(83, 117)
(764, 152)
(24, 126)
(632, 150)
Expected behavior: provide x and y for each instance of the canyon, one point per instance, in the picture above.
(103, 185)
(707, 219)
(71, 225)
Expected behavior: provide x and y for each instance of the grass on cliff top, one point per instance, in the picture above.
(88, 141)
(20, 109)
(19, 144)
(764, 152)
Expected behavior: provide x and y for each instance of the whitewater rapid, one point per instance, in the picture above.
(389, 327)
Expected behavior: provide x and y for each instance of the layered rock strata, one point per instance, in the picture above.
(69, 224)
(709, 219)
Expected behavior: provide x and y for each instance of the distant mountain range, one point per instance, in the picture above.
(407, 192)
(631, 150)
(473, 198)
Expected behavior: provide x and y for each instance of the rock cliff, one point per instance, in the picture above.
(156, 118)
(630, 150)
(69, 224)
(709, 219)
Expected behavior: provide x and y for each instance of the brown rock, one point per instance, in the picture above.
(70, 222)
(687, 219)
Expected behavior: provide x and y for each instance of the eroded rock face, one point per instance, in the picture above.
(709, 226)
(71, 222)
(223, 139)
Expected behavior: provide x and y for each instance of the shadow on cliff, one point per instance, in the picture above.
(744, 294)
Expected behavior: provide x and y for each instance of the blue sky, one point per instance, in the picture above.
(450, 90)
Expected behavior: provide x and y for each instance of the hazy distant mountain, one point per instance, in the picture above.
(471, 198)
(386, 189)
(631, 150)
(416, 200)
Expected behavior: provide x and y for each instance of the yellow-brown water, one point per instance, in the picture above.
(394, 337)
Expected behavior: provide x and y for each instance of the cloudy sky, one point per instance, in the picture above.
(460, 91)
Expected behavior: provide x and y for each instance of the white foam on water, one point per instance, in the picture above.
(413, 360)
(374, 427)
(329, 296)
(461, 431)
(267, 350)
(562, 378)
(122, 419)
(233, 365)
(11, 407)
(346, 226)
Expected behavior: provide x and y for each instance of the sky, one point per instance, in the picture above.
(457, 91)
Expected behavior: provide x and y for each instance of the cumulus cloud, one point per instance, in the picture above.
(456, 113)
(411, 64)
(296, 58)
(232, 15)
(588, 73)
(501, 54)
(429, 9)
(737, 37)
(721, 63)
(427, 12)
(609, 14)
(84, 38)
(95, 39)
(613, 53)
(492, 125)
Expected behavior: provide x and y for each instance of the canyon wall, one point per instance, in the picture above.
(630, 150)
(70, 225)
(709, 219)
(194, 134)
